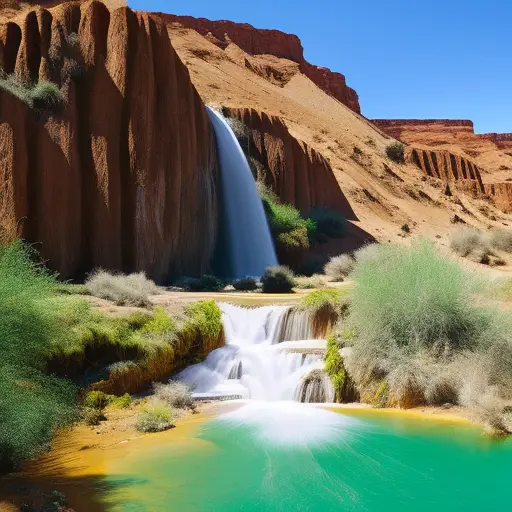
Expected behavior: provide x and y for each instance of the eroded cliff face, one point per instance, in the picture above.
(451, 150)
(124, 177)
(269, 42)
(296, 173)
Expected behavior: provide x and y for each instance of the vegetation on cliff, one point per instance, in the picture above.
(335, 368)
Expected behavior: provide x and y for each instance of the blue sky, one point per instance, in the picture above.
(405, 58)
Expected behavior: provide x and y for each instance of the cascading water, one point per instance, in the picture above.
(252, 364)
(246, 237)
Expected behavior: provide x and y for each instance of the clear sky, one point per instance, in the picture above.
(405, 58)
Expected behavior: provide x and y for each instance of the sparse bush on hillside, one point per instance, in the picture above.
(500, 239)
(339, 267)
(416, 327)
(481, 246)
(278, 280)
(133, 289)
(156, 417)
(245, 284)
(396, 152)
(175, 394)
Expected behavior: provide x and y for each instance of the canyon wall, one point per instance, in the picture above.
(297, 173)
(269, 42)
(124, 176)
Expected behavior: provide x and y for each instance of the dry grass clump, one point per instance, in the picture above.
(132, 290)
(366, 253)
(310, 283)
(419, 335)
(175, 394)
(339, 267)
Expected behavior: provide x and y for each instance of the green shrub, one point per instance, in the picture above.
(206, 317)
(339, 267)
(156, 417)
(278, 280)
(328, 222)
(396, 152)
(175, 394)
(246, 284)
(133, 289)
(33, 406)
(120, 402)
(96, 400)
(71, 289)
(335, 368)
(414, 316)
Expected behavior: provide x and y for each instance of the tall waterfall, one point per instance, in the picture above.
(251, 364)
(248, 244)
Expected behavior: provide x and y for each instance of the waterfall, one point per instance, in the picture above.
(246, 237)
(251, 364)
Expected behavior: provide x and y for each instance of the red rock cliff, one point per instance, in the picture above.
(297, 173)
(124, 178)
(272, 42)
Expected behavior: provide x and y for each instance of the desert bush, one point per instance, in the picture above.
(366, 253)
(245, 284)
(328, 222)
(175, 394)
(278, 280)
(466, 240)
(92, 416)
(396, 152)
(500, 239)
(133, 289)
(339, 267)
(309, 283)
(32, 404)
(414, 317)
(155, 417)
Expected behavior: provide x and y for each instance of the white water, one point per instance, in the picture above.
(247, 237)
(251, 364)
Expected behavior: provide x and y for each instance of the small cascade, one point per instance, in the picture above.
(316, 387)
(246, 237)
(252, 364)
(294, 325)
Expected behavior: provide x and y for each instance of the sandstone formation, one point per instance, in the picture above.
(124, 177)
(483, 159)
(269, 42)
(298, 174)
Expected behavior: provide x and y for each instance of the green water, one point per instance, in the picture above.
(369, 463)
